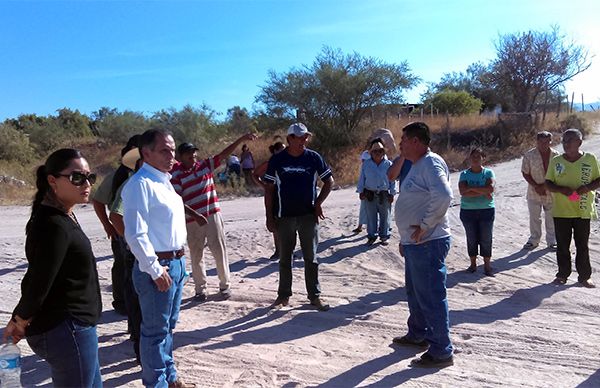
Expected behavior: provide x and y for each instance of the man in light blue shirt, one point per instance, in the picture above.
(420, 213)
(377, 191)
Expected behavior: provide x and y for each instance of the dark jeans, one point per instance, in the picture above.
(132, 304)
(479, 226)
(71, 349)
(579, 229)
(307, 229)
(425, 276)
(118, 269)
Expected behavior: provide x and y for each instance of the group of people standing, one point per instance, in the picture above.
(158, 204)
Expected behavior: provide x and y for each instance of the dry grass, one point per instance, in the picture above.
(345, 163)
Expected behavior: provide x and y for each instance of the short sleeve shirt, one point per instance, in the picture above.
(295, 178)
(104, 191)
(573, 175)
(476, 179)
(197, 186)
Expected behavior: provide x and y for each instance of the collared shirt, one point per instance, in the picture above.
(154, 217)
(533, 164)
(374, 177)
(424, 198)
(197, 186)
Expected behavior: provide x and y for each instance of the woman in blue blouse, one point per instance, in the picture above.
(476, 186)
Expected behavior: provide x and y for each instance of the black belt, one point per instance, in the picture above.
(171, 254)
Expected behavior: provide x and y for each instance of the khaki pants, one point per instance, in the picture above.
(535, 222)
(198, 236)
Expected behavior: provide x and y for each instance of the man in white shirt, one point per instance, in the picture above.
(154, 219)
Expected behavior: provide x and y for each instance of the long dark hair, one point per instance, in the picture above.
(56, 162)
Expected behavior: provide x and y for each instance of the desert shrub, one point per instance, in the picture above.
(574, 121)
(456, 102)
(117, 127)
(15, 145)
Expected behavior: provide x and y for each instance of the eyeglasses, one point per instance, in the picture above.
(78, 178)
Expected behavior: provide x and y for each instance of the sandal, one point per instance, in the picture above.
(471, 269)
(488, 272)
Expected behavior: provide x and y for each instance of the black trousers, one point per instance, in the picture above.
(579, 230)
(118, 268)
(132, 304)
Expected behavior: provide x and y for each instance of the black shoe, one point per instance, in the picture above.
(371, 240)
(200, 297)
(384, 241)
(319, 304)
(427, 361)
(560, 280)
(587, 284)
(407, 341)
(225, 293)
(119, 308)
(281, 301)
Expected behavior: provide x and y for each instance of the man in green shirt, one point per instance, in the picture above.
(572, 178)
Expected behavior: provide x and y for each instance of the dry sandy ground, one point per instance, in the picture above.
(515, 329)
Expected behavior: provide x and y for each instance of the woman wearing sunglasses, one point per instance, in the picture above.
(60, 295)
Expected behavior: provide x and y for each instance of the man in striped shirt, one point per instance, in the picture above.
(193, 179)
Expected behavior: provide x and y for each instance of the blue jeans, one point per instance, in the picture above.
(378, 217)
(307, 229)
(426, 293)
(71, 349)
(479, 226)
(160, 311)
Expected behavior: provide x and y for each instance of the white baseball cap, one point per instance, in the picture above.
(298, 129)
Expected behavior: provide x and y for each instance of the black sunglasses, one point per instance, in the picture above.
(78, 178)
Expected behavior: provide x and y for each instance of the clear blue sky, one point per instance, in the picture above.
(149, 55)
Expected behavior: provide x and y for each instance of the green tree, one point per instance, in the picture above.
(73, 123)
(118, 127)
(476, 81)
(238, 121)
(532, 62)
(44, 133)
(456, 102)
(196, 125)
(333, 94)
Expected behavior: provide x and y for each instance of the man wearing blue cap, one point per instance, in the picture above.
(293, 172)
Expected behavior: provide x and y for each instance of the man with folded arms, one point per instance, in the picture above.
(154, 219)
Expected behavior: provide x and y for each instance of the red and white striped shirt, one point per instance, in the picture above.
(197, 186)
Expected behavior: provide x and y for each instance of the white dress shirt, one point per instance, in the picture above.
(154, 217)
